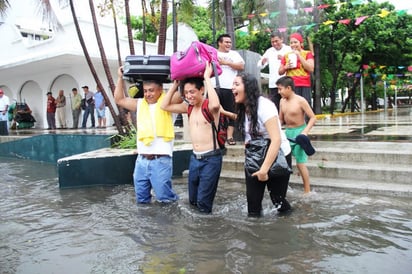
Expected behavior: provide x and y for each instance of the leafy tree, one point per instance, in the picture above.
(151, 30)
(384, 40)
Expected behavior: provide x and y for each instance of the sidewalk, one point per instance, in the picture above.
(393, 125)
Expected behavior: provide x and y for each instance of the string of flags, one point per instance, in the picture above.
(383, 13)
(384, 76)
(357, 21)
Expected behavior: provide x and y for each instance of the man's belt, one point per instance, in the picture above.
(153, 156)
(207, 154)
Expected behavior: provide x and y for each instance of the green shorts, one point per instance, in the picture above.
(297, 150)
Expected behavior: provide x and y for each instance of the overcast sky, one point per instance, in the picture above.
(399, 4)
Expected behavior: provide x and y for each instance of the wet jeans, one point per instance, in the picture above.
(156, 174)
(203, 180)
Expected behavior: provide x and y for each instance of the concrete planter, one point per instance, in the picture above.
(110, 166)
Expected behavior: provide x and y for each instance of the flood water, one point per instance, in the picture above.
(101, 230)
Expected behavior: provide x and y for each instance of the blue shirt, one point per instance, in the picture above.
(98, 99)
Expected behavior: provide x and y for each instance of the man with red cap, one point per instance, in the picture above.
(298, 64)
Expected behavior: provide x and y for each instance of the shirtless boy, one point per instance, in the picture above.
(292, 114)
(206, 160)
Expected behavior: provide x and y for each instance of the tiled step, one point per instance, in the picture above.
(347, 185)
(373, 166)
(374, 171)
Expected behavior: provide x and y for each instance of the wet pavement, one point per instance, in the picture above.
(390, 125)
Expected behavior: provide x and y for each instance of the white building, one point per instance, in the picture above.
(35, 60)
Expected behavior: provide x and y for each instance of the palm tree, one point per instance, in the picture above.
(90, 63)
(161, 47)
(106, 69)
(230, 28)
(144, 11)
(4, 5)
(129, 29)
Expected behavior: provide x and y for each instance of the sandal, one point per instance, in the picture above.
(231, 141)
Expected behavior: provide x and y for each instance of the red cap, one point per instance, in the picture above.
(297, 36)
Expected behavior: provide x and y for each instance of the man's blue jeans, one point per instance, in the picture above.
(156, 174)
(203, 180)
(89, 110)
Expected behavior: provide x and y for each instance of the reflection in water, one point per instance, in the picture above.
(101, 230)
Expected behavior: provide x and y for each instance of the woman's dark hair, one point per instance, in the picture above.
(250, 107)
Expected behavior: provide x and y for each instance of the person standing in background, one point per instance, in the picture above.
(231, 63)
(100, 108)
(51, 111)
(4, 106)
(61, 109)
(88, 95)
(76, 109)
(299, 64)
(273, 57)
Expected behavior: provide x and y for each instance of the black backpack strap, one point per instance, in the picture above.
(216, 74)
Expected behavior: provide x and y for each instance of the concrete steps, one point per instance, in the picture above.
(373, 167)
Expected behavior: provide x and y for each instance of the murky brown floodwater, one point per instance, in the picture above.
(102, 230)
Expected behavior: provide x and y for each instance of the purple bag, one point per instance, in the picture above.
(192, 62)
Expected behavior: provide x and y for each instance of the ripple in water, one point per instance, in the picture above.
(102, 230)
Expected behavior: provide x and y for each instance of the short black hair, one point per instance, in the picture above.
(152, 81)
(198, 82)
(220, 37)
(286, 81)
(276, 34)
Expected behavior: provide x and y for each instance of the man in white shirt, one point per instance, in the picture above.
(273, 57)
(4, 106)
(231, 62)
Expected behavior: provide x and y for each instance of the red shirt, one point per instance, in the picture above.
(51, 104)
(300, 76)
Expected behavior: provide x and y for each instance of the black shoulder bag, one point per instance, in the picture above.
(255, 153)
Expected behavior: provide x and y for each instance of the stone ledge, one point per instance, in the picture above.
(109, 166)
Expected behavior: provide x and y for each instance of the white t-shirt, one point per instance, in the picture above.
(158, 146)
(4, 101)
(274, 63)
(228, 73)
(267, 110)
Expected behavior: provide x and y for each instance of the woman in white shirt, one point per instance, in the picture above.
(258, 116)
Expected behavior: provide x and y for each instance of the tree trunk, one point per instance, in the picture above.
(119, 56)
(230, 29)
(283, 18)
(351, 96)
(144, 10)
(90, 64)
(316, 52)
(161, 47)
(106, 69)
(129, 27)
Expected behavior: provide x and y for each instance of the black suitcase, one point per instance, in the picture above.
(147, 67)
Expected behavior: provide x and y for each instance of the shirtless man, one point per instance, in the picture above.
(292, 113)
(206, 160)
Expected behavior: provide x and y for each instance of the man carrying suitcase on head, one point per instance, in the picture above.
(155, 137)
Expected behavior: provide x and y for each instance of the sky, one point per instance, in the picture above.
(399, 4)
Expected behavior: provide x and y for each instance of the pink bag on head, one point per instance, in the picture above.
(192, 62)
